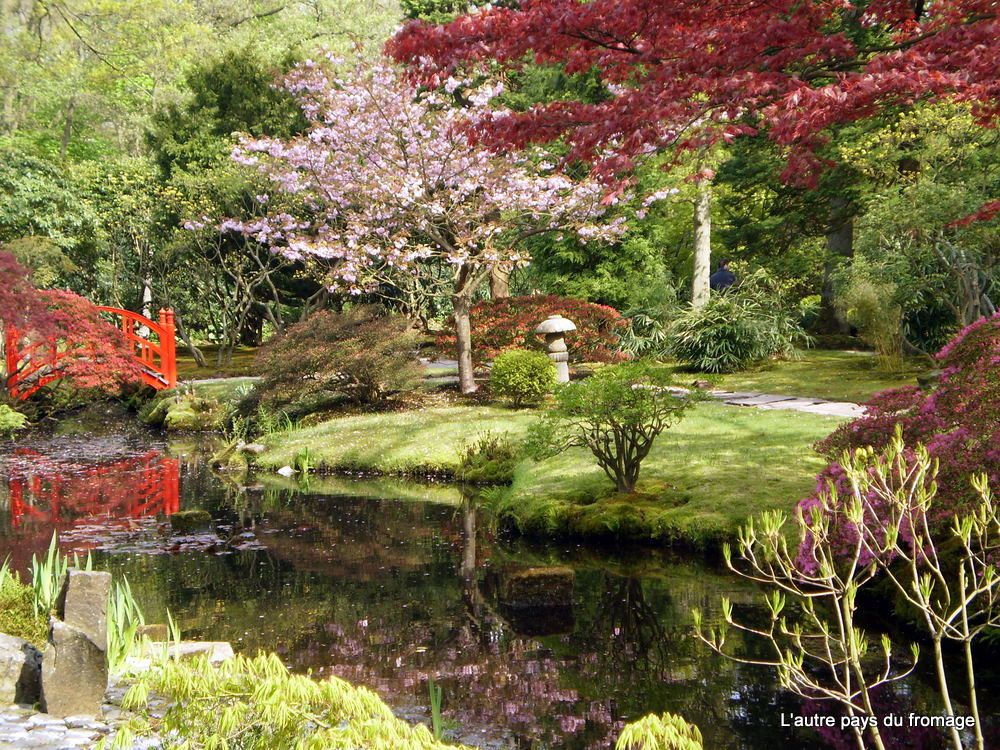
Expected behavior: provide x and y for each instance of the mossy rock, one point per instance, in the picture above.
(154, 411)
(187, 521)
(194, 414)
(231, 459)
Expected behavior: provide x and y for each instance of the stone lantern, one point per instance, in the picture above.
(554, 328)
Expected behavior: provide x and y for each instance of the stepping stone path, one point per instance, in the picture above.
(21, 728)
(844, 409)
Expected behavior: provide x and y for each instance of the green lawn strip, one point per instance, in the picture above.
(411, 442)
(240, 364)
(376, 488)
(703, 478)
(701, 481)
(223, 389)
(819, 373)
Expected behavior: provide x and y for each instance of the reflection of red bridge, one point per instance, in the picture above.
(32, 365)
(47, 491)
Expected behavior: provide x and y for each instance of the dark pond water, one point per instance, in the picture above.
(386, 583)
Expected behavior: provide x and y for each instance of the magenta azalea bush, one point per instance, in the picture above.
(958, 421)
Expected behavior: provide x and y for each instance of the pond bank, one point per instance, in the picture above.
(701, 480)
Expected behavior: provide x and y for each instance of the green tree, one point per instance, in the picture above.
(617, 414)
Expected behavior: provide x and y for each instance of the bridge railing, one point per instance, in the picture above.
(30, 365)
(159, 357)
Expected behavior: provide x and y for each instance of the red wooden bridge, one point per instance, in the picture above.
(32, 365)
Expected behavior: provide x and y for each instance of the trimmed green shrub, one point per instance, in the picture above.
(362, 356)
(522, 378)
(11, 420)
(738, 328)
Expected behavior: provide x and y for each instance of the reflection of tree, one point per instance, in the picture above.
(625, 618)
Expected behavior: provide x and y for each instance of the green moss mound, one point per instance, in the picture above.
(17, 613)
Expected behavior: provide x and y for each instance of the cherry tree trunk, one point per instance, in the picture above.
(463, 340)
(702, 244)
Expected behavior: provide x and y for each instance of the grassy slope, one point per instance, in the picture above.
(410, 442)
(702, 479)
(835, 375)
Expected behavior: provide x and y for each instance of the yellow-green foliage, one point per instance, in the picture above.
(17, 611)
(664, 732)
(256, 704)
(11, 420)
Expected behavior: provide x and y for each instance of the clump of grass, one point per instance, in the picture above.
(490, 458)
(124, 620)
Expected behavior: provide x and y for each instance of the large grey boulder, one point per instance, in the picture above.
(74, 672)
(83, 603)
(20, 671)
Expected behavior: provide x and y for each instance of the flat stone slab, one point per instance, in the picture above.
(727, 395)
(836, 409)
(216, 651)
(759, 400)
(796, 404)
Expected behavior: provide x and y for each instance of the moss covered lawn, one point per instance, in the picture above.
(819, 373)
(702, 479)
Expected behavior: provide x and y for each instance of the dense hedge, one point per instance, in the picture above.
(510, 322)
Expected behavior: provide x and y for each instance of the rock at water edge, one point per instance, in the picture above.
(74, 673)
(83, 603)
(20, 671)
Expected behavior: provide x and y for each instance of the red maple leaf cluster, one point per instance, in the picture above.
(690, 72)
(92, 353)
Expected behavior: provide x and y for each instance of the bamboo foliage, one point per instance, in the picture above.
(257, 704)
(664, 732)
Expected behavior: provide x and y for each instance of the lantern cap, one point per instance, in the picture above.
(555, 324)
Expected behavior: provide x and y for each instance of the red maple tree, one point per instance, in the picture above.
(686, 72)
(65, 335)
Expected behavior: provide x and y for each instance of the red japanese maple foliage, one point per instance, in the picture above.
(92, 353)
(687, 72)
(510, 322)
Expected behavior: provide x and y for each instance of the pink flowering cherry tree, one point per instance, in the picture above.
(391, 188)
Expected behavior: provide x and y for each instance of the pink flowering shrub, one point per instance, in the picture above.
(958, 421)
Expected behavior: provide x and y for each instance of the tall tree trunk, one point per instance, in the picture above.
(199, 358)
(462, 303)
(499, 284)
(839, 247)
(702, 244)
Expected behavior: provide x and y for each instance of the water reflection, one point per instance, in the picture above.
(535, 647)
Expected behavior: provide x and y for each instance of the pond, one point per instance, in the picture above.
(385, 583)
